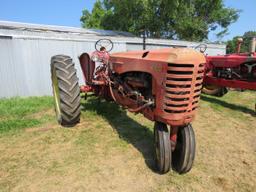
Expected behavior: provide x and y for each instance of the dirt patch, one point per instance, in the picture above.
(45, 127)
(40, 114)
(222, 183)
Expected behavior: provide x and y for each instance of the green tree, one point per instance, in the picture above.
(93, 19)
(176, 19)
(247, 37)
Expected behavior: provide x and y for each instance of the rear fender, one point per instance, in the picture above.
(87, 66)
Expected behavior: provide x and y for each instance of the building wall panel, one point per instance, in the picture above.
(26, 51)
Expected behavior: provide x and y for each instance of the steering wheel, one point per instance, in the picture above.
(202, 47)
(104, 43)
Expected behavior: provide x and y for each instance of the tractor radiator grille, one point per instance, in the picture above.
(183, 87)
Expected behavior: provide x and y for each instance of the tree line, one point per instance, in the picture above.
(190, 20)
(173, 19)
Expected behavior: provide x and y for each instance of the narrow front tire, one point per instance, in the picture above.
(184, 154)
(163, 151)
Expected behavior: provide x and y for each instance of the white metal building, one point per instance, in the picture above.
(26, 50)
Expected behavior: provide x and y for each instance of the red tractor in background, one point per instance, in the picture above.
(237, 70)
(164, 85)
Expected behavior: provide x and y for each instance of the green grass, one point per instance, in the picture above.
(18, 113)
(112, 149)
(234, 104)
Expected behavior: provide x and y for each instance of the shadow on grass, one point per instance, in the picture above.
(140, 136)
(228, 105)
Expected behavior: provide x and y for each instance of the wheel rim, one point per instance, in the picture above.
(56, 94)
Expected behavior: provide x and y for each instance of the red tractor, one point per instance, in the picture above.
(164, 85)
(237, 70)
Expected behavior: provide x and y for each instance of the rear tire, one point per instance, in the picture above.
(184, 154)
(163, 152)
(66, 90)
(214, 90)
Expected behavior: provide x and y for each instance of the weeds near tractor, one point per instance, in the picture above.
(112, 149)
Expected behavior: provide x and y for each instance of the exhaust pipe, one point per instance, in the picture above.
(253, 45)
(239, 43)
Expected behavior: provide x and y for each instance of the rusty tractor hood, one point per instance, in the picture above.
(169, 55)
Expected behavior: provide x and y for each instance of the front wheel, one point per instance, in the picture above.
(184, 154)
(163, 150)
(66, 90)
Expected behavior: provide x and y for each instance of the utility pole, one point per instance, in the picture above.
(144, 40)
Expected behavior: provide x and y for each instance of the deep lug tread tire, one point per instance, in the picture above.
(163, 152)
(184, 154)
(68, 90)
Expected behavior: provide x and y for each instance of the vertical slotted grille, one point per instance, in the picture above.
(183, 87)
